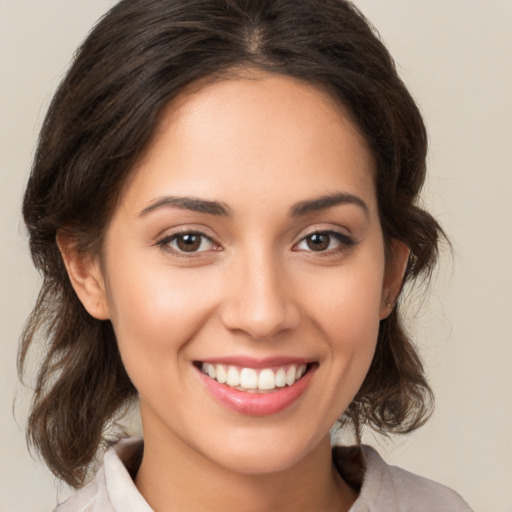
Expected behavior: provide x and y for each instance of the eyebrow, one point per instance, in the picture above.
(188, 203)
(220, 209)
(327, 201)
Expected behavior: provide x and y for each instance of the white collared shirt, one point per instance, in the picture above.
(384, 488)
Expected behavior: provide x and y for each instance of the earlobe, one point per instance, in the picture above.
(86, 277)
(393, 278)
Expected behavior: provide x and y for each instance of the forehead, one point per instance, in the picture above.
(258, 135)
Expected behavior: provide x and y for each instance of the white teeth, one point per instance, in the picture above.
(281, 378)
(290, 375)
(222, 376)
(233, 377)
(266, 380)
(249, 379)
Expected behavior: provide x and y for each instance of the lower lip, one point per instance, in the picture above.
(258, 404)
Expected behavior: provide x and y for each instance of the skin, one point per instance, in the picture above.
(258, 145)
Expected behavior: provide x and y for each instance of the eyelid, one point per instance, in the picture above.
(164, 241)
(325, 228)
(346, 241)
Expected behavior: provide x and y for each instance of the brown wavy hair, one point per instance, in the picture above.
(140, 56)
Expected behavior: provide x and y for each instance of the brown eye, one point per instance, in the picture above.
(187, 243)
(325, 241)
(318, 241)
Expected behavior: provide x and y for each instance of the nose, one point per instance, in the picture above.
(260, 302)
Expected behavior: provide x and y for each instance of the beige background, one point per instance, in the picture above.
(456, 56)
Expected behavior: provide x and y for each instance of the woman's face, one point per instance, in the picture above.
(245, 251)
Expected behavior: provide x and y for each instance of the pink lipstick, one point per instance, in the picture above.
(256, 387)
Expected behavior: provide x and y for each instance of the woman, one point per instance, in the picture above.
(223, 206)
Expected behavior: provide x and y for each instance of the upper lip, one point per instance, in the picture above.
(255, 362)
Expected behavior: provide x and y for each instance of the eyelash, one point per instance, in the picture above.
(345, 243)
(166, 241)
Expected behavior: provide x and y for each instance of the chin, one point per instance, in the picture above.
(262, 453)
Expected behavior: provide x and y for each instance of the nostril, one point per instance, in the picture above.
(260, 320)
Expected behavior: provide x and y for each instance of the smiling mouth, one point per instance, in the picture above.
(251, 380)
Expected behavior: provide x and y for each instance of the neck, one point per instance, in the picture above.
(175, 477)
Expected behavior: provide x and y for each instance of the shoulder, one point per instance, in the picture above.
(410, 492)
(112, 489)
(384, 487)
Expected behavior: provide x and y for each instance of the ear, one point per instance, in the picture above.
(86, 277)
(393, 277)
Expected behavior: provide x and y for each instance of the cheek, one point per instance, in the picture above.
(347, 300)
(155, 312)
(352, 330)
(346, 309)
